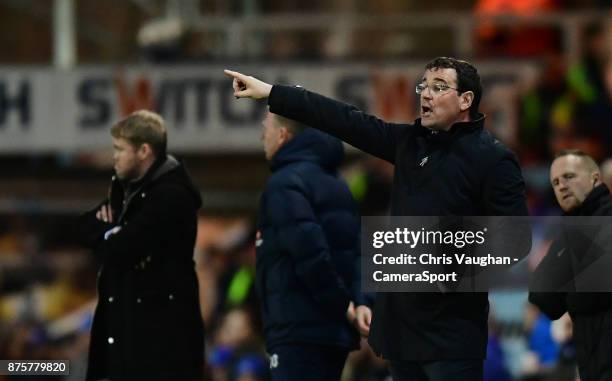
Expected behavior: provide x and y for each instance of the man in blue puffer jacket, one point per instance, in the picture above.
(307, 254)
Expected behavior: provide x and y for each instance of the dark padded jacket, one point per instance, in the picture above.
(308, 246)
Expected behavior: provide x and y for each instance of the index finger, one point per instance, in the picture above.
(109, 212)
(235, 74)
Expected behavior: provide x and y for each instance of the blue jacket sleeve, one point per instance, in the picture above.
(359, 297)
(346, 122)
(302, 237)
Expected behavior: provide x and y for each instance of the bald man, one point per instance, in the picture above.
(576, 180)
(573, 176)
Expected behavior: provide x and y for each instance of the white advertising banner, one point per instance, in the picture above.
(43, 110)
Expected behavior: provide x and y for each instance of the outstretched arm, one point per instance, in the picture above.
(342, 120)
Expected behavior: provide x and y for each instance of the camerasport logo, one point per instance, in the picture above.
(258, 239)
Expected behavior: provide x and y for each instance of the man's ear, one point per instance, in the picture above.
(285, 135)
(596, 176)
(144, 151)
(466, 100)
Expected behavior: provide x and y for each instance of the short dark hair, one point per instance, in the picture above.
(587, 160)
(468, 78)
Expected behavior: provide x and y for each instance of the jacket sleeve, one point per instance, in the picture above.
(167, 206)
(346, 122)
(509, 230)
(302, 237)
(504, 196)
(504, 189)
(551, 281)
(88, 230)
(357, 296)
(552, 304)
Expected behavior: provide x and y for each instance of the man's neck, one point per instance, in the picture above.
(146, 166)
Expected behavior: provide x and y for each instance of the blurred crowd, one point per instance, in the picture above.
(48, 296)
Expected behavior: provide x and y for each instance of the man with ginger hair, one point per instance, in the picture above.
(147, 323)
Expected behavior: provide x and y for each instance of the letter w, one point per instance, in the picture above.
(139, 97)
(394, 97)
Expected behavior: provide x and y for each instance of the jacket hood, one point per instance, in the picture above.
(166, 170)
(171, 170)
(313, 146)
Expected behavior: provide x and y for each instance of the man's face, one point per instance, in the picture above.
(571, 180)
(270, 135)
(439, 111)
(126, 160)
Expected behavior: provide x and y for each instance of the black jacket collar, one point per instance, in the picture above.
(596, 199)
(458, 129)
(129, 185)
(160, 166)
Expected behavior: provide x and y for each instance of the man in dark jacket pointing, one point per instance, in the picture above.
(307, 254)
(446, 163)
(147, 324)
